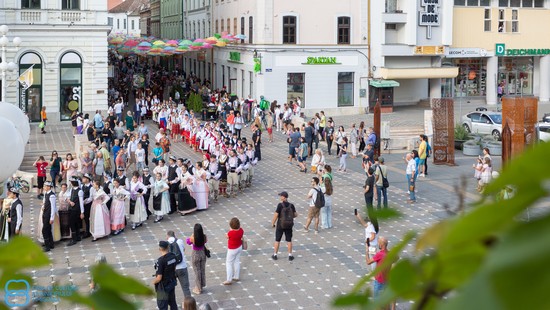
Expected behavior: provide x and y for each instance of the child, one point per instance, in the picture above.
(478, 167)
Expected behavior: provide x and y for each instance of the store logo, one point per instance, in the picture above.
(500, 49)
(430, 16)
(15, 295)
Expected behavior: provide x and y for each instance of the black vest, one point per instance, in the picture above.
(75, 200)
(86, 191)
(47, 205)
(13, 210)
(147, 180)
(172, 175)
(106, 188)
(122, 180)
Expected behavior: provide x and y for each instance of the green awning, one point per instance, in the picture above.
(383, 83)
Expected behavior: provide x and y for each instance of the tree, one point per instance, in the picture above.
(488, 257)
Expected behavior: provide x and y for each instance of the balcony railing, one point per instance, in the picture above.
(53, 17)
(31, 16)
(71, 16)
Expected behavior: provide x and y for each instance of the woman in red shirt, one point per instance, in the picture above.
(234, 249)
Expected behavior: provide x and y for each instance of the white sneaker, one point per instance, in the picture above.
(422, 175)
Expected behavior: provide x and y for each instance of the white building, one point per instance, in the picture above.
(313, 50)
(66, 41)
(197, 23)
(409, 40)
(124, 18)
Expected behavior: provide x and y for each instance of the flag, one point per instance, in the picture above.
(26, 79)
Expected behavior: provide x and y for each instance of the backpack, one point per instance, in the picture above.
(320, 199)
(286, 221)
(376, 142)
(385, 182)
(174, 248)
(264, 104)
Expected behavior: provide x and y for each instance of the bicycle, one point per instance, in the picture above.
(20, 184)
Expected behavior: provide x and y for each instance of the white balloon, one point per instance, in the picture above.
(19, 119)
(13, 148)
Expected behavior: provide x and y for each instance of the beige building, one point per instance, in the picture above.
(500, 47)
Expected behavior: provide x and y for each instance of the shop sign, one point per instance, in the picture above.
(501, 50)
(429, 50)
(201, 56)
(465, 52)
(234, 57)
(321, 61)
(430, 16)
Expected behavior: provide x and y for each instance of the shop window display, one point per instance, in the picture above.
(472, 77)
(515, 74)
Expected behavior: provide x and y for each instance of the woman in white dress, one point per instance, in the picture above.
(200, 187)
(161, 198)
(100, 221)
(118, 218)
(162, 169)
(138, 213)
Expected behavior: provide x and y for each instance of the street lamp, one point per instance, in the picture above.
(14, 124)
(4, 65)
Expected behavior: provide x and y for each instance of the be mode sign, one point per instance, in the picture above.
(430, 15)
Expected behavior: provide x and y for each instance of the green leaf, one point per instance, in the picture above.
(432, 236)
(108, 279)
(404, 277)
(20, 253)
(353, 299)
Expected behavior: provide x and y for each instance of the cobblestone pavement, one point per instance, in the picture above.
(327, 264)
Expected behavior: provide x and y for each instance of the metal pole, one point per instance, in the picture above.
(4, 82)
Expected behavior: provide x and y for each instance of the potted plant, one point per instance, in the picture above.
(471, 148)
(195, 104)
(461, 135)
(495, 148)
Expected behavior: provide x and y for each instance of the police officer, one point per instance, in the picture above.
(165, 278)
(76, 208)
(48, 215)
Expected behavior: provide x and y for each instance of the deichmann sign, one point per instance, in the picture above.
(501, 50)
(321, 61)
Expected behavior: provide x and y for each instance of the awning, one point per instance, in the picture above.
(418, 73)
(383, 83)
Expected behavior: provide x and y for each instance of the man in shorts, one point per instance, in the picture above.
(277, 220)
(313, 212)
(294, 143)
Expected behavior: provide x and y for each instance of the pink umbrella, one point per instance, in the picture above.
(131, 43)
(172, 43)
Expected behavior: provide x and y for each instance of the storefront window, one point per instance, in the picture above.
(472, 77)
(295, 87)
(30, 100)
(345, 89)
(516, 75)
(70, 82)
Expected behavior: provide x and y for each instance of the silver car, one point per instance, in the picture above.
(543, 130)
(483, 122)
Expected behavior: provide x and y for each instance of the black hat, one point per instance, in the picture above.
(73, 179)
(164, 244)
(284, 194)
(120, 168)
(146, 169)
(87, 176)
(172, 157)
(14, 190)
(48, 183)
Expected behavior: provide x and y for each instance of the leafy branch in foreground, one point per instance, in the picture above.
(484, 258)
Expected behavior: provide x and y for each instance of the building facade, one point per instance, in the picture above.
(198, 24)
(171, 18)
(145, 19)
(65, 42)
(155, 18)
(500, 43)
(292, 50)
(125, 18)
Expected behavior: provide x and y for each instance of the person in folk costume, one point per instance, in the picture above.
(173, 182)
(214, 177)
(100, 220)
(63, 211)
(89, 192)
(161, 197)
(138, 214)
(121, 177)
(243, 177)
(108, 188)
(187, 202)
(174, 126)
(49, 211)
(11, 215)
(55, 226)
(233, 170)
(251, 154)
(147, 179)
(222, 165)
(76, 208)
(118, 207)
(200, 186)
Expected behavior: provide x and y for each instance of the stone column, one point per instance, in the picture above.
(492, 80)
(544, 93)
(435, 89)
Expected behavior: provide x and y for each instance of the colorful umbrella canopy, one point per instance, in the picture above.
(185, 43)
(172, 43)
(115, 40)
(211, 40)
(240, 37)
(159, 42)
(131, 43)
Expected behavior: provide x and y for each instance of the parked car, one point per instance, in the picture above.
(483, 122)
(543, 130)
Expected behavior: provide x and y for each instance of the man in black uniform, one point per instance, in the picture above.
(165, 278)
(148, 181)
(76, 209)
(89, 192)
(48, 215)
(257, 140)
(173, 182)
(16, 213)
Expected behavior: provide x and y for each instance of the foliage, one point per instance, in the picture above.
(194, 103)
(461, 133)
(484, 258)
(113, 290)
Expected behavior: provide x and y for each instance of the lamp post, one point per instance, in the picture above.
(4, 65)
